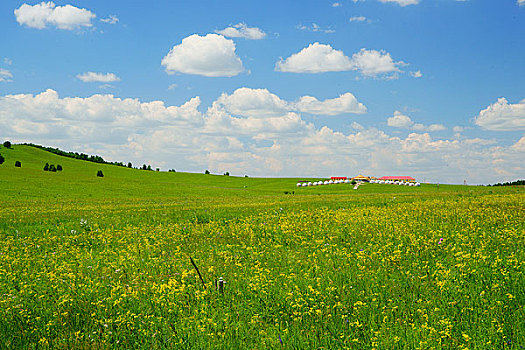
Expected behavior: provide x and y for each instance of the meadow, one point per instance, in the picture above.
(100, 263)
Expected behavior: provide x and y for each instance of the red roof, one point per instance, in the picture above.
(406, 178)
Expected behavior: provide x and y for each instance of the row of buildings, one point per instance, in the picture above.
(361, 178)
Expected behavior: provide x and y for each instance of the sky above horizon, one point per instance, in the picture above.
(432, 89)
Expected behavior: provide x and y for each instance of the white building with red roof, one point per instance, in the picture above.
(397, 178)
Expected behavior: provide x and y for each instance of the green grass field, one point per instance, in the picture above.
(100, 263)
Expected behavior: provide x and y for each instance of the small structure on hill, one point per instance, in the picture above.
(361, 178)
(397, 178)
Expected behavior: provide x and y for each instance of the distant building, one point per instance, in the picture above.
(361, 178)
(338, 178)
(397, 178)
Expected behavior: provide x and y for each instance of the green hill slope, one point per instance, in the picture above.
(78, 182)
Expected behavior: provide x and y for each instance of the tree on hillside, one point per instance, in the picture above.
(18, 164)
(227, 174)
(59, 167)
(130, 165)
(7, 144)
(100, 174)
(2, 159)
(207, 172)
(46, 167)
(144, 167)
(52, 168)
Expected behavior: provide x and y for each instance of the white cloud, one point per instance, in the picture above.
(261, 103)
(316, 58)
(8, 61)
(112, 19)
(373, 63)
(416, 74)
(314, 27)
(519, 145)
(211, 56)
(521, 2)
(319, 58)
(502, 116)
(90, 77)
(258, 103)
(346, 103)
(278, 145)
(358, 19)
(458, 129)
(399, 120)
(5, 75)
(402, 2)
(47, 13)
(241, 30)
(336, 4)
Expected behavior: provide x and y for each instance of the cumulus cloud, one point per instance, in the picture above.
(416, 74)
(319, 58)
(211, 56)
(112, 19)
(46, 14)
(338, 4)
(247, 143)
(399, 120)
(520, 145)
(402, 2)
(521, 2)
(241, 30)
(316, 58)
(5, 75)
(346, 103)
(358, 19)
(257, 103)
(373, 63)
(90, 77)
(502, 116)
(314, 27)
(261, 103)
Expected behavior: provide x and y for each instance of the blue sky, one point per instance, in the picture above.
(428, 88)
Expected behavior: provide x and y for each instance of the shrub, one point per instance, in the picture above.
(52, 168)
(59, 167)
(226, 174)
(158, 169)
(144, 167)
(149, 167)
(46, 167)
(7, 144)
(100, 174)
(207, 172)
(130, 165)
(2, 159)
(18, 164)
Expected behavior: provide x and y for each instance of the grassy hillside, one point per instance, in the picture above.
(104, 263)
(78, 180)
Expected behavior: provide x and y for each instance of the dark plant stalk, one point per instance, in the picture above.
(196, 268)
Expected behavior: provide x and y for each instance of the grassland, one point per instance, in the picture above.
(97, 263)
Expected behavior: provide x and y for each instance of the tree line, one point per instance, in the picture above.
(513, 183)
